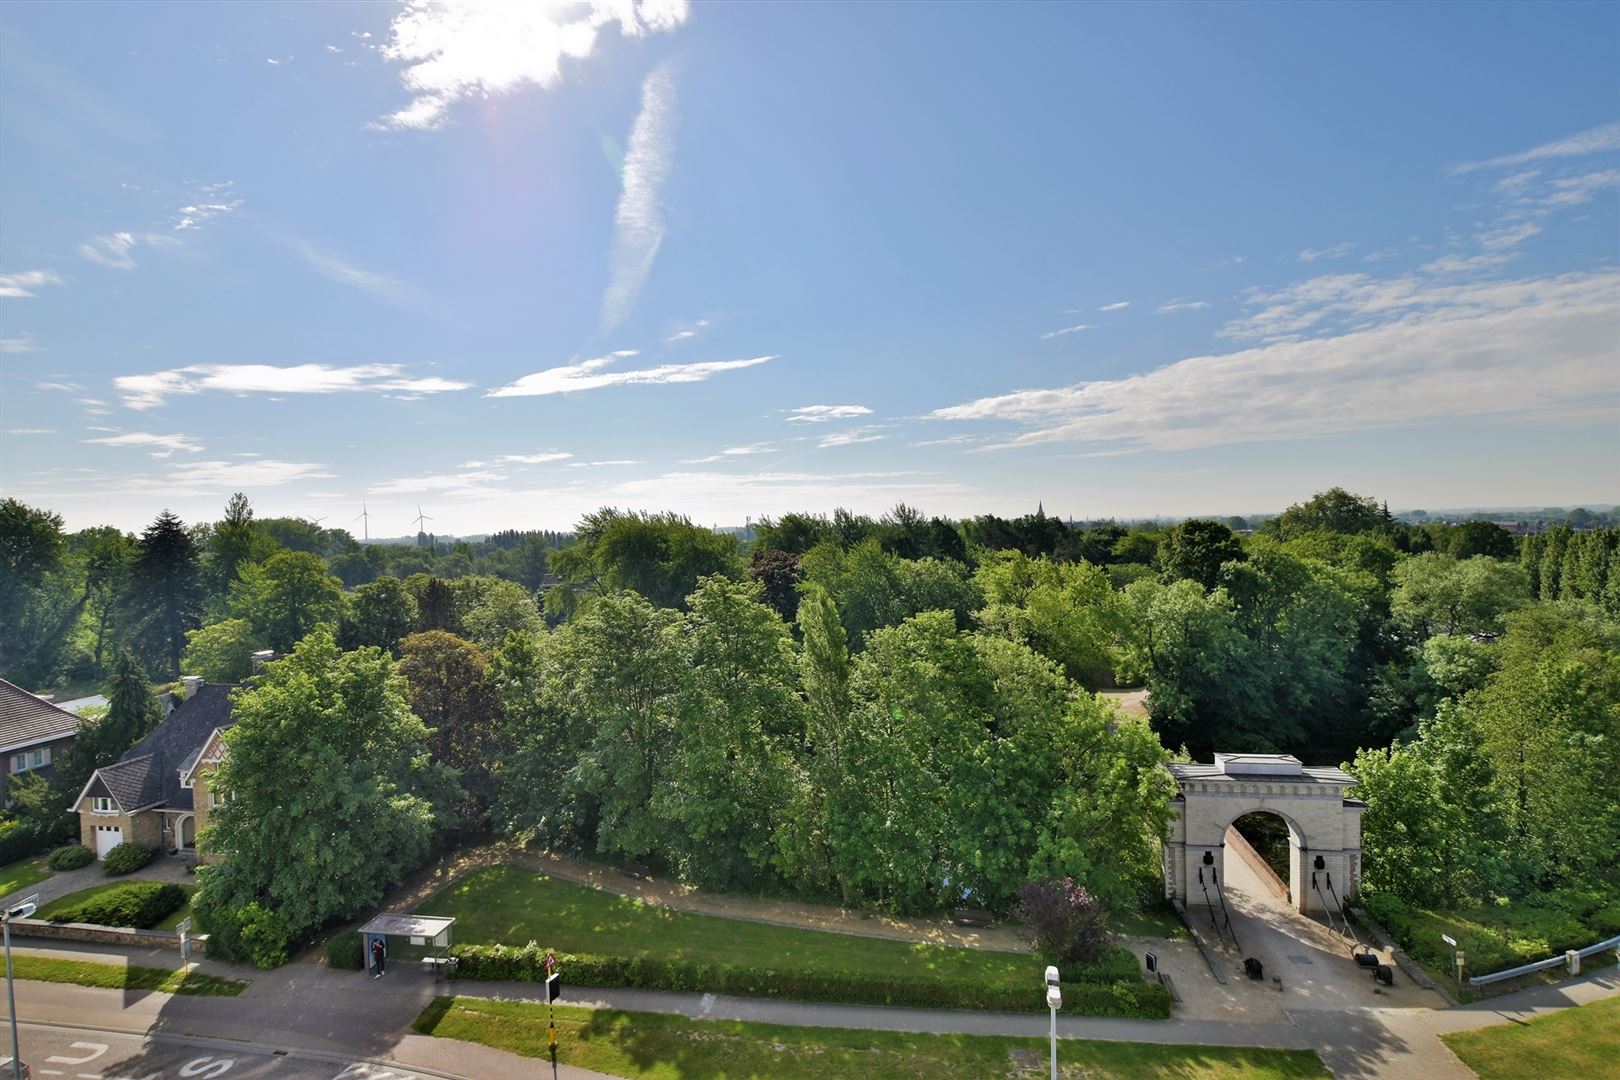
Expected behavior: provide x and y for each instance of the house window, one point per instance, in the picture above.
(103, 805)
(218, 798)
(31, 759)
(19, 762)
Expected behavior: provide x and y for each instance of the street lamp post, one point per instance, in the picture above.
(1054, 1001)
(15, 911)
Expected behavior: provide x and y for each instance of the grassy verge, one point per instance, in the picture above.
(21, 874)
(508, 904)
(74, 899)
(1158, 922)
(1576, 1042)
(118, 977)
(651, 1046)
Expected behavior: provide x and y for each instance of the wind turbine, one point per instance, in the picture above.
(419, 518)
(365, 516)
(316, 520)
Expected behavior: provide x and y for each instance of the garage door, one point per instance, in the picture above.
(107, 838)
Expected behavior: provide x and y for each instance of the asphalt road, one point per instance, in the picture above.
(73, 1053)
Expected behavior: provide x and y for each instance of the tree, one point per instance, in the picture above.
(38, 604)
(221, 652)
(377, 614)
(660, 556)
(165, 597)
(1067, 612)
(1333, 510)
(436, 607)
(1066, 923)
(778, 574)
(727, 775)
(286, 597)
(108, 555)
(491, 608)
(448, 686)
(235, 542)
(631, 670)
(1436, 594)
(803, 848)
(873, 588)
(794, 534)
(539, 796)
(1473, 538)
(331, 796)
(1196, 550)
(132, 713)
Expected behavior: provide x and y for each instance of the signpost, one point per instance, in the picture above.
(1449, 940)
(553, 992)
(185, 941)
(15, 911)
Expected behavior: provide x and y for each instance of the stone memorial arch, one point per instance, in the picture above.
(1324, 827)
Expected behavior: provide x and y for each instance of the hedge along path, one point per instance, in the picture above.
(677, 897)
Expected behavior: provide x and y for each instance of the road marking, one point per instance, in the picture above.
(207, 1067)
(96, 1050)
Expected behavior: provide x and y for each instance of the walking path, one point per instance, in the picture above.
(62, 882)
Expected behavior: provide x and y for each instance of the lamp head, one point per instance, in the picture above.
(1051, 975)
(1054, 998)
(1209, 858)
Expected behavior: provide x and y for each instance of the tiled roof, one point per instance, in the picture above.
(26, 719)
(150, 772)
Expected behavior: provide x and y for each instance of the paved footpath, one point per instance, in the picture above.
(311, 1008)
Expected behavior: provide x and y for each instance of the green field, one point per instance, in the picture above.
(119, 977)
(654, 1046)
(73, 899)
(21, 874)
(1582, 1042)
(508, 904)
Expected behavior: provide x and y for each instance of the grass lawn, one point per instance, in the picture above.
(118, 977)
(21, 874)
(1584, 1041)
(653, 1046)
(73, 899)
(508, 904)
(1154, 923)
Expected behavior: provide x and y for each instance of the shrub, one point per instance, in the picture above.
(126, 858)
(71, 857)
(345, 950)
(264, 936)
(1068, 924)
(20, 839)
(138, 904)
(1109, 996)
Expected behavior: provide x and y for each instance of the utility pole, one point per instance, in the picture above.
(15, 911)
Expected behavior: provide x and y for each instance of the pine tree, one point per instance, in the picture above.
(165, 597)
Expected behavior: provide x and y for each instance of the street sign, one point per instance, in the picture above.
(553, 988)
(1449, 940)
(1152, 962)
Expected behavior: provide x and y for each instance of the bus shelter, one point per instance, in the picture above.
(430, 933)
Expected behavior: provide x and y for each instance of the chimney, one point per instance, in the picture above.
(192, 684)
(257, 661)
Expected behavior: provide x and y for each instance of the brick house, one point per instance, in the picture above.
(157, 795)
(33, 732)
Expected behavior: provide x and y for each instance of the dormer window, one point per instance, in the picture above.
(103, 805)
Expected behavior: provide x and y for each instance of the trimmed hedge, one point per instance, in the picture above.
(1105, 996)
(126, 858)
(20, 839)
(137, 904)
(345, 950)
(71, 857)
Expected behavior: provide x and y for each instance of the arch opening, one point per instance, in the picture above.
(1270, 844)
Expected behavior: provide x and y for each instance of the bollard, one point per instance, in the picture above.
(1572, 960)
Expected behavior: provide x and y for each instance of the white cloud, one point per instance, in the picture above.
(589, 375)
(462, 50)
(162, 446)
(112, 251)
(1508, 236)
(24, 283)
(1171, 307)
(212, 201)
(817, 414)
(1596, 140)
(850, 437)
(710, 495)
(1575, 190)
(1425, 353)
(598, 464)
(1337, 251)
(28, 431)
(1120, 305)
(439, 483)
(259, 472)
(1381, 255)
(1067, 330)
(22, 343)
(389, 288)
(639, 222)
(537, 459)
(733, 452)
(146, 391)
(688, 333)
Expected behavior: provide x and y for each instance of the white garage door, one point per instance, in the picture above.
(107, 838)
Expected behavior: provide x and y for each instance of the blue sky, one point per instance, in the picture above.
(512, 263)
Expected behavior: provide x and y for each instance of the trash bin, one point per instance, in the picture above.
(1254, 969)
